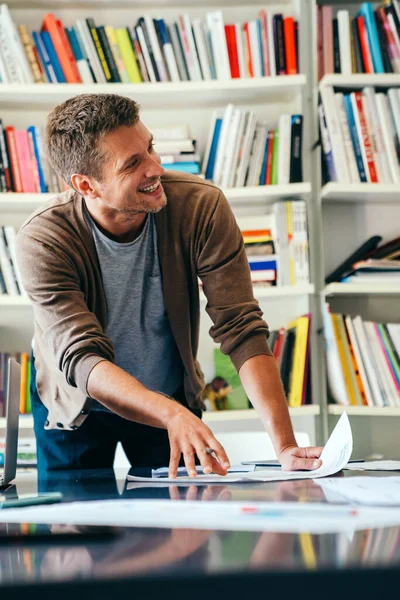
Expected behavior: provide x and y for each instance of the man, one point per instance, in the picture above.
(112, 269)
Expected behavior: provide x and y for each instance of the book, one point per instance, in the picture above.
(62, 48)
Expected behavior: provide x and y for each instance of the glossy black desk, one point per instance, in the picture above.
(193, 564)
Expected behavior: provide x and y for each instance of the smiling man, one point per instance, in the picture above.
(112, 269)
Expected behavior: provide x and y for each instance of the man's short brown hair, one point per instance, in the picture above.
(75, 128)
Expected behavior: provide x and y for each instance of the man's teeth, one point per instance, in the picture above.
(151, 188)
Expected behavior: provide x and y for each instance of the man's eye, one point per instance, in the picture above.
(151, 147)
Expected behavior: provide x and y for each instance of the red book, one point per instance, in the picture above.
(62, 48)
(230, 34)
(365, 49)
(366, 141)
(289, 37)
(262, 15)
(21, 140)
(278, 345)
(14, 159)
(249, 61)
(268, 172)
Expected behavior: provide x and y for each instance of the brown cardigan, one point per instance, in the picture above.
(197, 236)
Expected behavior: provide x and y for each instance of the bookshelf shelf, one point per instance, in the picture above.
(350, 289)
(7, 301)
(360, 193)
(13, 202)
(364, 411)
(248, 90)
(239, 415)
(360, 80)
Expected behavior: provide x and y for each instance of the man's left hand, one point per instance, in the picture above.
(294, 458)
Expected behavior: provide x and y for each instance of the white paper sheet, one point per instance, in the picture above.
(162, 472)
(375, 465)
(335, 456)
(381, 491)
(237, 516)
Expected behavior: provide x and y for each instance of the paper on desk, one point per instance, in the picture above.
(228, 516)
(375, 465)
(382, 491)
(334, 457)
(162, 472)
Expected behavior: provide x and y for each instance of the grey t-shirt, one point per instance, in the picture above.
(138, 323)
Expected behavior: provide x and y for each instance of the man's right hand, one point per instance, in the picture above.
(189, 436)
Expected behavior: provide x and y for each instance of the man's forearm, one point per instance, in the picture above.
(126, 396)
(262, 384)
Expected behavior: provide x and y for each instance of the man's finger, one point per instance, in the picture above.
(310, 464)
(312, 451)
(174, 461)
(188, 457)
(204, 458)
(220, 452)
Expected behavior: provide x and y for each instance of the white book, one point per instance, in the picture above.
(155, 47)
(237, 146)
(394, 104)
(171, 62)
(16, 46)
(84, 71)
(211, 129)
(231, 142)
(9, 58)
(394, 332)
(271, 45)
(192, 46)
(373, 139)
(348, 144)
(344, 41)
(192, 64)
(180, 59)
(173, 146)
(284, 126)
(300, 240)
(360, 135)
(146, 54)
(199, 37)
(11, 242)
(222, 148)
(244, 153)
(383, 369)
(335, 134)
(215, 23)
(90, 50)
(384, 119)
(360, 365)
(3, 69)
(256, 155)
(240, 50)
(255, 49)
(377, 134)
(336, 382)
(7, 268)
(369, 361)
(281, 239)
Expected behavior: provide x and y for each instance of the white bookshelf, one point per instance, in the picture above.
(360, 80)
(361, 193)
(243, 196)
(353, 289)
(364, 411)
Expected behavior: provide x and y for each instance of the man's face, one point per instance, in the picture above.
(131, 176)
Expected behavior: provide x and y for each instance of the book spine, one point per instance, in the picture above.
(279, 38)
(271, 44)
(290, 46)
(99, 50)
(365, 49)
(344, 41)
(14, 159)
(336, 46)
(326, 144)
(180, 55)
(359, 66)
(296, 170)
(128, 55)
(284, 149)
(351, 117)
(155, 46)
(384, 119)
(335, 134)
(262, 16)
(63, 48)
(169, 52)
(373, 38)
(348, 145)
(52, 56)
(365, 141)
(108, 54)
(380, 16)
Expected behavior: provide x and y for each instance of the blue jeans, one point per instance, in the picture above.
(93, 445)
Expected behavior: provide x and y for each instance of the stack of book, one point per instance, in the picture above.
(360, 133)
(242, 151)
(10, 278)
(176, 148)
(276, 245)
(371, 263)
(367, 43)
(291, 348)
(150, 50)
(23, 358)
(23, 163)
(363, 363)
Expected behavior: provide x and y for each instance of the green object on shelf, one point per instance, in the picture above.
(237, 399)
(28, 388)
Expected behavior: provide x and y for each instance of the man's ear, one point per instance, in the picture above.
(84, 185)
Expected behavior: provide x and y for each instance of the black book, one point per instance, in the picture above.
(3, 288)
(357, 47)
(5, 153)
(142, 23)
(287, 360)
(181, 51)
(296, 41)
(386, 249)
(3, 162)
(387, 63)
(138, 55)
(108, 55)
(296, 138)
(347, 265)
(279, 43)
(336, 50)
(95, 37)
